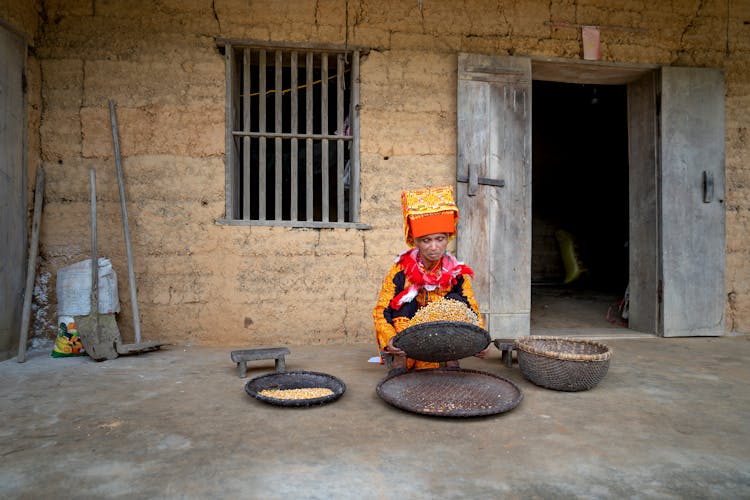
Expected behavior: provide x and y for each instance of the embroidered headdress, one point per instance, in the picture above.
(428, 211)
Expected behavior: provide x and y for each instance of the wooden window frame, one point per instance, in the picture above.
(239, 133)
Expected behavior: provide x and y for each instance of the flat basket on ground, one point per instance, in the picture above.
(563, 364)
(295, 380)
(450, 392)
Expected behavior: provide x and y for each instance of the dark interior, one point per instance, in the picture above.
(580, 186)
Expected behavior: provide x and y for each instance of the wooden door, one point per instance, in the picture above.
(494, 144)
(12, 188)
(643, 189)
(692, 243)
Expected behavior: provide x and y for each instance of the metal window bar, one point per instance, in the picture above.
(325, 196)
(262, 139)
(309, 140)
(330, 202)
(340, 216)
(294, 165)
(279, 88)
(354, 123)
(247, 126)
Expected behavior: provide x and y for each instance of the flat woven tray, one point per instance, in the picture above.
(448, 392)
(295, 380)
(442, 340)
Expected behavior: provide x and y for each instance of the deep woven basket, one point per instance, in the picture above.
(563, 364)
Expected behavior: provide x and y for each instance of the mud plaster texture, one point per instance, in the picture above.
(203, 283)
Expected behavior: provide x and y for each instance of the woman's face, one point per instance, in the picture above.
(432, 247)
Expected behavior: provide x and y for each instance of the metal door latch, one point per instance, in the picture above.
(474, 180)
(708, 186)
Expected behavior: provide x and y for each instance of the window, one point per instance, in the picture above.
(292, 141)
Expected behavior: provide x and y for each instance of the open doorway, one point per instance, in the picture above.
(579, 263)
(665, 130)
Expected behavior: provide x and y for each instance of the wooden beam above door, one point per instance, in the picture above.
(591, 72)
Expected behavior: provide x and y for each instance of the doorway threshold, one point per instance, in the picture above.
(592, 333)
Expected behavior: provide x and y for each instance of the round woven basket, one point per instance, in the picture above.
(295, 380)
(442, 340)
(450, 392)
(563, 364)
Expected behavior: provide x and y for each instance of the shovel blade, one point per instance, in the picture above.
(137, 348)
(98, 335)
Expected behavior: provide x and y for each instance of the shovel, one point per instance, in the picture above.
(98, 332)
(138, 346)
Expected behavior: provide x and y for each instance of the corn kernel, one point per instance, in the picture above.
(445, 310)
(302, 393)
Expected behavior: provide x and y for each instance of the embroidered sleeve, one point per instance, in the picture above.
(469, 294)
(382, 314)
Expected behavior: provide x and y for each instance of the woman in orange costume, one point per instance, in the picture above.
(422, 274)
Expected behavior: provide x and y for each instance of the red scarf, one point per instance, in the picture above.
(444, 276)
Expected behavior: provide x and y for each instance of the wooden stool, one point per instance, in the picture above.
(506, 347)
(243, 356)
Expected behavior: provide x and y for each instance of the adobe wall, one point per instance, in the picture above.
(200, 282)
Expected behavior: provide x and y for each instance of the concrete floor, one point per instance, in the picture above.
(670, 420)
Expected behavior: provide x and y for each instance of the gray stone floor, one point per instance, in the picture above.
(670, 420)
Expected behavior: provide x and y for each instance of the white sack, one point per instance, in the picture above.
(74, 289)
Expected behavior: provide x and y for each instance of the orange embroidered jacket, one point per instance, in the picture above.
(389, 321)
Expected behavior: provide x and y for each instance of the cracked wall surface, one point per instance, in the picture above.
(200, 282)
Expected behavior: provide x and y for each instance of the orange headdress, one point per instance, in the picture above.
(428, 211)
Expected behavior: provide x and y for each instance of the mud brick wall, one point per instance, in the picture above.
(200, 282)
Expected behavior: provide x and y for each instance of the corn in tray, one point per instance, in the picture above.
(445, 310)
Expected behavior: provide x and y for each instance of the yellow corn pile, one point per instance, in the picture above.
(445, 310)
(303, 393)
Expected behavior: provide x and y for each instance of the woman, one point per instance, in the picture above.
(422, 274)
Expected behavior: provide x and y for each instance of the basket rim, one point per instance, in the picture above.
(523, 345)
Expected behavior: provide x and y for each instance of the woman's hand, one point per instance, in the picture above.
(391, 349)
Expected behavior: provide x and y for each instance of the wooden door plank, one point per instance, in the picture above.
(13, 188)
(494, 132)
(693, 230)
(643, 247)
(231, 174)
